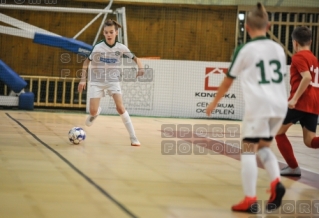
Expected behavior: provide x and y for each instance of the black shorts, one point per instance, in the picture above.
(308, 120)
(256, 140)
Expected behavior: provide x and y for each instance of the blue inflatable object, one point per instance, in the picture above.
(26, 101)
(11, 78)
(69, 44)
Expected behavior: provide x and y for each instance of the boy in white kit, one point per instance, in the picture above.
(104, 75)
(261, 65)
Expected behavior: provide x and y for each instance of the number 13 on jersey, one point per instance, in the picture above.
(276, 70)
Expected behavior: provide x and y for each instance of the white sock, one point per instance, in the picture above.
(128, 123)
(249, 174)
(270, 162)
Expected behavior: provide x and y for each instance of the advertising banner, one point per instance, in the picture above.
(182, 89)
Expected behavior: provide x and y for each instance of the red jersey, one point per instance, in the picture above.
(305, 61)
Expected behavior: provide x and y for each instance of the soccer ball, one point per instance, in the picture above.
(76, 135)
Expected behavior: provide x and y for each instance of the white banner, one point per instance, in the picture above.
(183, 89)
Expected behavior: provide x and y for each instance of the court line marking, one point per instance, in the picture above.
(281, 162)
(308, 177)
(99, 188)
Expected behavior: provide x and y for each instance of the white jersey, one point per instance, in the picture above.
(107, 62)
(261, 65)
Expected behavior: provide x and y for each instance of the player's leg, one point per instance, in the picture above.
(125, 118)
(309, 138)
(249, 173)
(285, 146)
(95, 94)
(309, 126)
(270, 163)
(94, 106)
(268, 158)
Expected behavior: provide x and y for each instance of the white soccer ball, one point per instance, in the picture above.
(76, 135)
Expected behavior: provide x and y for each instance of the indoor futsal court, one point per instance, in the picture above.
(43, 175)
(55, 164)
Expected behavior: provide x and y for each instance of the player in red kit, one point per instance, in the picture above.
(303, 105)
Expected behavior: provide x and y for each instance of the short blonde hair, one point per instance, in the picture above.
(258, 18)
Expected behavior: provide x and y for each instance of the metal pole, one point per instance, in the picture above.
(121, 16)
(55, 9)
(100, 28)
(119, 19)
(125, 27)
(87, 25)
(22, 25)
(94, 19)
(16, 32)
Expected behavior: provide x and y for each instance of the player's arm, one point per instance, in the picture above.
(82, 84)
(127, 53)
(139, 65)
(223, 88)
(234, 70)
(304, 83)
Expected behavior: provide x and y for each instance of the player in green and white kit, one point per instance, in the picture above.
(104, 75)
(261, 66)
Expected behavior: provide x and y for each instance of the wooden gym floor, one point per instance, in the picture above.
(42, 175)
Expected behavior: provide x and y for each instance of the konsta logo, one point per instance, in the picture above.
(213, 77)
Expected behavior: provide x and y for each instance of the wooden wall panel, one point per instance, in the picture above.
(176, 33)
(181, 33)
(168, 34)
(228, 36)
(185, 35)
(154, 27)
(135, 31)
(213, 42)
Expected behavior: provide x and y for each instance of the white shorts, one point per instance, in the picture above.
(261, 128)
(99, 90)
